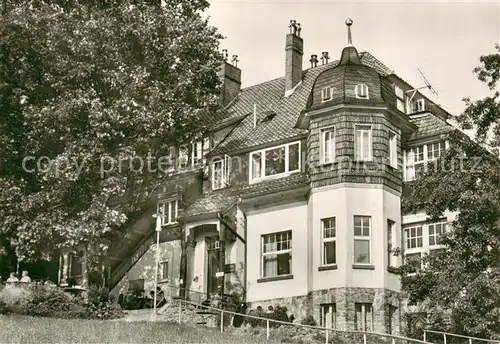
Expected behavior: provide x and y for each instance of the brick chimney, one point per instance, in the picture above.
(230, 76)
(294, 50)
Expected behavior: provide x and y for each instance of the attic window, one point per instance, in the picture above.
(326, 93)
(268, 116)
(361, 91)
(420, 105)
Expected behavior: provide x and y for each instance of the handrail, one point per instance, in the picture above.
(196, 292)
(460, 336)
(327, 330)
(127, 264)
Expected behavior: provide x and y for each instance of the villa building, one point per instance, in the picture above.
(293, 196)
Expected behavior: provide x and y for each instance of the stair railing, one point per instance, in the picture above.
(127, 264)
(366, 335)
(447, 335)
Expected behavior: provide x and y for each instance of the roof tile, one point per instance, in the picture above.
(270, 95)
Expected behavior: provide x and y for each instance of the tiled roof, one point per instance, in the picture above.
(429, 125)
(275, 185)
(211, 202)
(270, 95)
(219, 200)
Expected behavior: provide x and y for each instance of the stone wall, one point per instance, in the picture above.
(383, 302)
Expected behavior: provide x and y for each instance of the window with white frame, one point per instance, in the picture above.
(362, 239)
(168, 210)
(423, 238)
(327, 145)
(328, 237)
(400, 99)
(363, 142)
(326, 93)
(436, 231)
(435, 150)
(392, 259)
(221, 172)
(275, 161)
(277, 254)
(363, 317)
(183, 156)
(163, 270)
(361, 91)
(419, 105)
(328, 315)
(414, 237)
(418, 157)
(197, 153)
(393, 149)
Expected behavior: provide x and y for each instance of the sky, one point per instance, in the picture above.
(444, 39)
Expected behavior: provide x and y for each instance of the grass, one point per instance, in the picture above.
(24, 329)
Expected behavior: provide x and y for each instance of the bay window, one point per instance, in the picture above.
(363, 142)
(392, 259)
(327, 148)
(328, 237)
(362, 241)
(277, 254)
(275, 161)
(393, 149)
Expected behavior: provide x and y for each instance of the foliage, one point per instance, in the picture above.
(83, 81)
(273, 313)
(55, 303)
(308, 320)
(52, 302)
(464, 278)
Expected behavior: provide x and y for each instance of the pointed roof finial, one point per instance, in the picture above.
(349, 22)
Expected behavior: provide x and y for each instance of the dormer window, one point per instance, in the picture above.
(420, 105)
(326, 93)
(361, 91)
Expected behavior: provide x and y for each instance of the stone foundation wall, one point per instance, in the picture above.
(388, 313)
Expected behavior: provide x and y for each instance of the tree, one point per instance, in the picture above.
(92, 95)
(465, 277)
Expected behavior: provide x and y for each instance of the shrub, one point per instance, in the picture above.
(308, 320)
(14, 300)
(52, 302)
(3, 307)
(100, 305)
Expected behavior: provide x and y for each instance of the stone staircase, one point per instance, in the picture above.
(188, 313)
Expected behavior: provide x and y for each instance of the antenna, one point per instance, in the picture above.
(427, 85)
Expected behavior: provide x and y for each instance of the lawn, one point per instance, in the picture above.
(23, 329)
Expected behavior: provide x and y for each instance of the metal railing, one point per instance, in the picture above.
(466, 339)
(327, 331)
(137, 253)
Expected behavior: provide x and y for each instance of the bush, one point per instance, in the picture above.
(308, 320)
(52, 302)
(14, 300)
(3, 307)
(100, 305)
(55, 303)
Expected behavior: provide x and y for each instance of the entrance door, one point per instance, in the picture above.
(213, 268)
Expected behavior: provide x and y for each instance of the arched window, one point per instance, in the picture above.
(361, 91)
